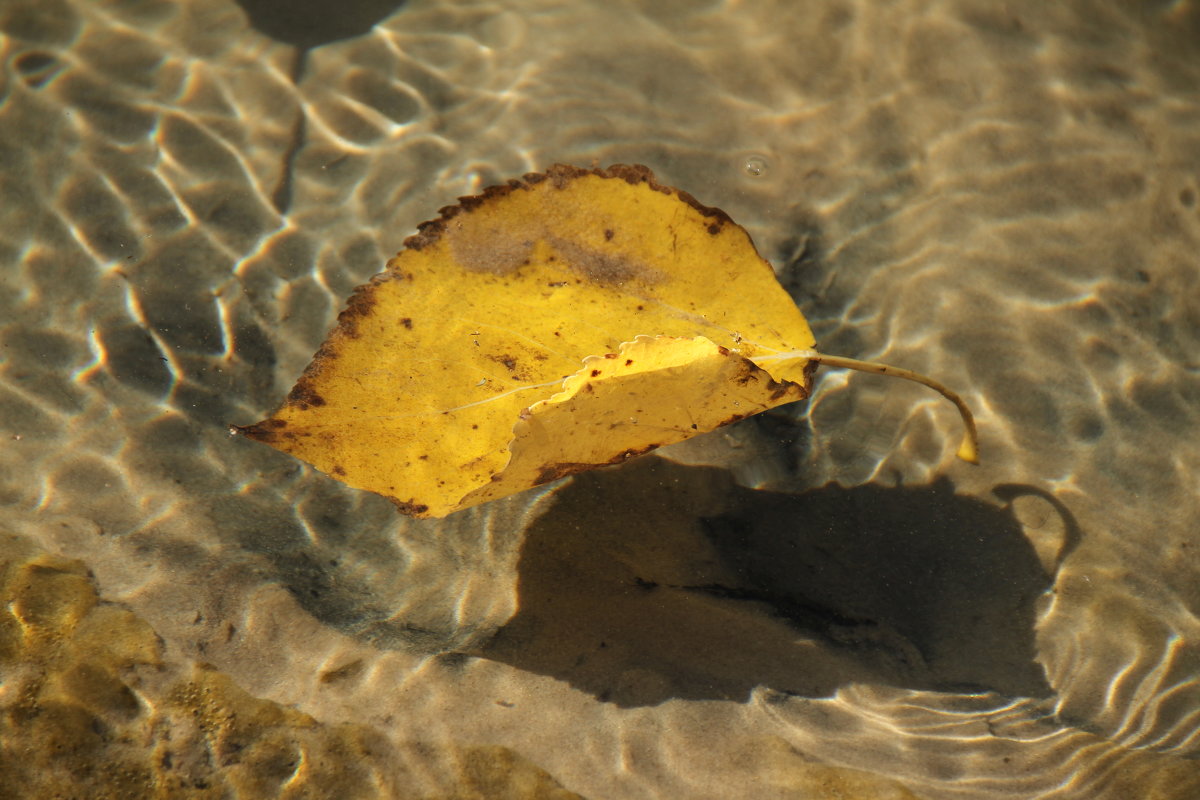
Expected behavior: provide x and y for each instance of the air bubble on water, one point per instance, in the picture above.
(755, 166)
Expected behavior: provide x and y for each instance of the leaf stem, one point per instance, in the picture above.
(969, 449)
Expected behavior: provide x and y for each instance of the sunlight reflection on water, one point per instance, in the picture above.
(1004, 198)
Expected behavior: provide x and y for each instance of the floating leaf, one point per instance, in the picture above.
(455, 377)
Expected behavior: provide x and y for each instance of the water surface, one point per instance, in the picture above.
(1000, 195)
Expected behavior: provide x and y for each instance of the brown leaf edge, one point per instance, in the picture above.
(560, 175)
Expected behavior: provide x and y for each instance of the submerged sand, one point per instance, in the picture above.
(1001, 195)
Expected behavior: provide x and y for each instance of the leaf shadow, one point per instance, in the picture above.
(658, 581)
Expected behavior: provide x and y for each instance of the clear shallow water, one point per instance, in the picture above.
(1006, 199)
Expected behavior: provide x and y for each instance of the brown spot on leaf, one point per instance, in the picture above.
(338, 470)
(779, 390)
(304, 396)
(508, 361)
(714, 228)
(604, 267)
(409, 507)
(488, 249)
(745, 378)
(595, 372)
(407, 322)
(608, 234)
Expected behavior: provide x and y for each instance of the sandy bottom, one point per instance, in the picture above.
(820, 602)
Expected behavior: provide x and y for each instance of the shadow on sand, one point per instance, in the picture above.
(657, 581)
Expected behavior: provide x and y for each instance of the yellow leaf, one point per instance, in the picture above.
(558, 323)
(655, 391)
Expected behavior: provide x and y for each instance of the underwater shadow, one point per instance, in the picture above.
(658, 581)
(311, 23)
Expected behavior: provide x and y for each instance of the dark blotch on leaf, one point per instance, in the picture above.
(260, 431)
(410, 508)
(508, 361)
(302, 395)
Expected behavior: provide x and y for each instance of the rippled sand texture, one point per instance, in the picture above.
(1001, 195)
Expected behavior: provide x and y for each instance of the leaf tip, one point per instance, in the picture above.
(266, 431)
